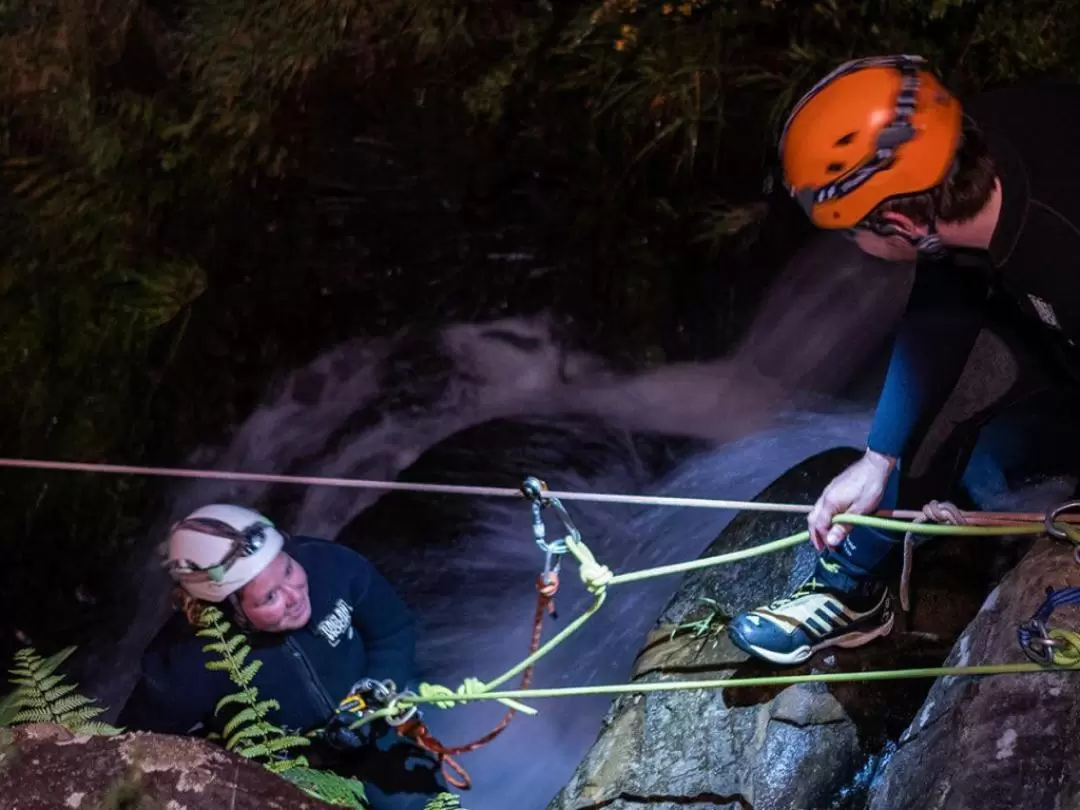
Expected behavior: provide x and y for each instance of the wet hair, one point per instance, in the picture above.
(192, 608)
(963, 195)
(187, 604)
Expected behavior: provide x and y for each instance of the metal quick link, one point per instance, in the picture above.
(534, 490)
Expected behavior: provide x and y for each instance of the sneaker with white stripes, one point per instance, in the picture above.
(815, 616)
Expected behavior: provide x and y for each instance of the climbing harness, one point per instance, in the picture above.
(1047, 648)
(369, 699)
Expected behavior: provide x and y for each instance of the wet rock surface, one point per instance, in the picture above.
(772, 748)
(1003, 741)
(46, 767)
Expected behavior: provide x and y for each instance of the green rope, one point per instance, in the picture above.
(769, 680)
(597, 578)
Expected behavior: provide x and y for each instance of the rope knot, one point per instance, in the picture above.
(942, 512)
(933, 512)
(470, 686)
(595, 576)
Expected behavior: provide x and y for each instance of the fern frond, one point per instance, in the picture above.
(254, 751)
(246, 697)
(228, 646)
(444, 801)
(40, 668)
(99, 729)
(284, 743)
(45, 685)
(264, 707)
(32, 716)
(248, 715)
(42, 695)
(246, 675)
(244, 735)
(33, 701)
(79, 717)
(55, 694)
(328, 786)
(70, 704)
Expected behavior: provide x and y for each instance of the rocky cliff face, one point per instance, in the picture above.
(1006, 741)
(795, 748)
(46, 767)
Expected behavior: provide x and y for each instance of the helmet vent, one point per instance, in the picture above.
(846, 140)
(835, 168)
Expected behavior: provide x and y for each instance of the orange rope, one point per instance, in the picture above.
(418, 731)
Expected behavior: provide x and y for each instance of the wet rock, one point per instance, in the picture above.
(46, 767)
(770, 748)
(1001, 741)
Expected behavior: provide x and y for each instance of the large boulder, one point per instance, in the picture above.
(46, 767)
(1002, 741)
(770, 748)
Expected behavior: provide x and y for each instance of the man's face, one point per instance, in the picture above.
(277, 601)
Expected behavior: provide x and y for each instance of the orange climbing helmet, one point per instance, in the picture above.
(873, 129)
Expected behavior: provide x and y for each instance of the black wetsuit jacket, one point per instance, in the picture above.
(1031, 271)
(359, 627)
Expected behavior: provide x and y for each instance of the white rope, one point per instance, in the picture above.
(493, 492)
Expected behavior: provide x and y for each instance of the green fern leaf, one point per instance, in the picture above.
(244, 736)
(101, 729)
(444, 801)
(32, 716)
(329, 787)
(285, 743)
(70, 703)
(55, 694)
(254, 751)
(219, 666)
(246, 675)
(78, 717)
(247, 696)
(42, 668)
(49, 683)
(248, 715)
(42, 695)
(10, 706)
(264, 707)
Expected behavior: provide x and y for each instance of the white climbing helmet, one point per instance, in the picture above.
(218, 549)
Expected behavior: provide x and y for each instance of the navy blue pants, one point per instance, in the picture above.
(1037, 435)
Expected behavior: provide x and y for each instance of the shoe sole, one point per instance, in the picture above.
(847, 641)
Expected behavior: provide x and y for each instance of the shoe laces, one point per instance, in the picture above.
(806, 587)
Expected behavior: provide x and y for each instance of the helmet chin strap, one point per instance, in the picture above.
(928, 244)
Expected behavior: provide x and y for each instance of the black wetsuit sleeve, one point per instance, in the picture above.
(945, 313)
(385, 624)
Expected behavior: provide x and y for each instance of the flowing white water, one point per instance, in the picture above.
(493, 403)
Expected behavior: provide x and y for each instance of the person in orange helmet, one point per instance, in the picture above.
(982, 197)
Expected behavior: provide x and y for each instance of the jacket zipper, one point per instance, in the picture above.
(315, 685)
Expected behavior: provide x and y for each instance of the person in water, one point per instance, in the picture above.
(982, 198)
(318, 615)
